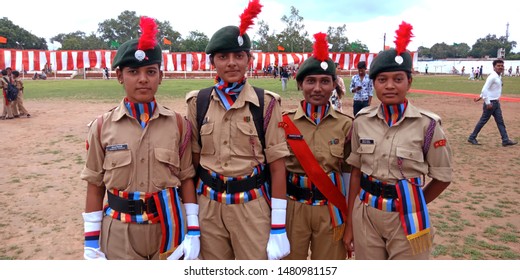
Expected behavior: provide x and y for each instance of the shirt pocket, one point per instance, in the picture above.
(207, 137)
(366, 153)
(412, 162)
(245, 140)
(166, 167)
(117, 169)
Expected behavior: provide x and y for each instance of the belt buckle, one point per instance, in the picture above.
(135, 207)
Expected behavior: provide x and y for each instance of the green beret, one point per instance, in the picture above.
(128, 56)
(312, 66)
(226, 40)
(388, 61)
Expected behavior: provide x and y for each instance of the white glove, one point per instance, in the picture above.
(190, 247)
(278, 244)
(92, 226)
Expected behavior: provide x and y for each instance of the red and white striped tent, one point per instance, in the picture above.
(36, 60)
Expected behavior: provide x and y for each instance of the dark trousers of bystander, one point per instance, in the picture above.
(358, 105)
(496, 112)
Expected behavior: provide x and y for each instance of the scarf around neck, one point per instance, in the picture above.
(142, 112)
(228, 92)
(315, 112)
(394, 113)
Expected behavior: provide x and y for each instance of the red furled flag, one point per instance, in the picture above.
(167, 42)
(280, 48)
(3, 40)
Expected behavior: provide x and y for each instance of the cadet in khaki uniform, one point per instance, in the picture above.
(8, 105)
(394, 146)
(19, 100)
(313, 221)
(236, 221)
(136, 155)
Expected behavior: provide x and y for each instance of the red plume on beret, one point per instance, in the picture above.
(250, 13)
(403, 36)
(321, 47)
(149, 31)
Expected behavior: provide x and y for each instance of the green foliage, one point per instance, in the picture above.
(294, 38)
(19, 38)
(338, 39)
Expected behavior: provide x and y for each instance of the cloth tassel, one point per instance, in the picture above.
(338, 232)
(420, 241)
(165, 255)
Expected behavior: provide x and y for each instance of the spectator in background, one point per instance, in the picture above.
(472, 74)
(462, 70)
(337, 94)
(284, 77)
(517, 71)
(362, 88)
(480, 72)
(491, 92)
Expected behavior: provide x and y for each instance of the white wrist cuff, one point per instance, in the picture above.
(277, 203)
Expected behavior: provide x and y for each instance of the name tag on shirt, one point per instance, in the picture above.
(366, 141)
(295, 136)
(116, 147)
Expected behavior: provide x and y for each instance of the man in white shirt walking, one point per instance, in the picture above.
(491, 93)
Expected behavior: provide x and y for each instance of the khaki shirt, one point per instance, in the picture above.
(137, 159)
(18, 83)
(230, 143)
(375, 146)
(327, 140)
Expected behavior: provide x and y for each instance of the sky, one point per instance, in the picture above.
(448, 21)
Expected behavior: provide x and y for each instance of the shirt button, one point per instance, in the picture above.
(113, 164)
(410, 154)
(225, 164)
(387, 137)
(226, 119)
(142, 159)
(225, 142)
(142, 184)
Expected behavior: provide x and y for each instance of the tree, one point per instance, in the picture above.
(440, 51)
(424, 52)
(338, 39)
(267, 42)
(19, 38)
(357, 47)
(460, 50)
(195, 42)
(294, 37)
(79, 41)
(489, 46)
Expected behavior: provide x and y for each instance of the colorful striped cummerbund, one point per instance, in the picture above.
(302, 181)
(169, 215)
(234, 198)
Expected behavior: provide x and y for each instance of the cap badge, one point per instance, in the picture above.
(324, 65)
(240, 40)
(399, 59)
(140, 55)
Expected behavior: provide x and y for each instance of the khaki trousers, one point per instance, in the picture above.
(234, 231)
(309, 228)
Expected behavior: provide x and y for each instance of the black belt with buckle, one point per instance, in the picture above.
(237, 186)
(130, 206)
(378, 189)
(304, 193)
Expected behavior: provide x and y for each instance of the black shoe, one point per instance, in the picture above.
(473, 141)
(28, 115)
(509, 143)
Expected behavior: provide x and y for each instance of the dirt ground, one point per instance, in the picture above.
(42, 196)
